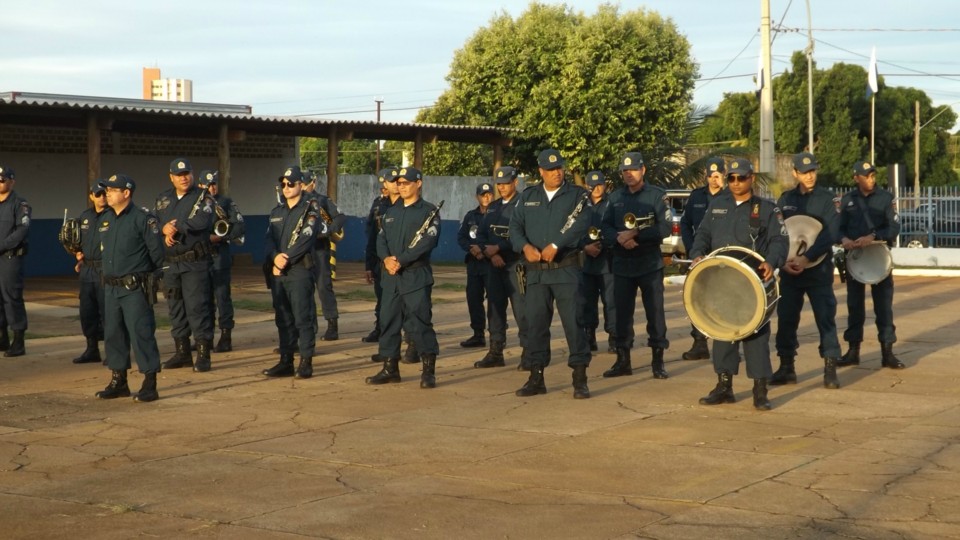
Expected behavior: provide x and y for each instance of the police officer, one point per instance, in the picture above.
(186, 214)
(501, 282)
(597, 278)
(220, 239)
(693, 212)
(866, 216)
(633, 226)
(388, 195)
(14, 226)
(477, 265)
(89, 260)
(321, 256)
(132, 253)
(411, 230)
(739, 218)
(800, 276)
(546, 227)
(290, 241)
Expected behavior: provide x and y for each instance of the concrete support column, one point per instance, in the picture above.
(223, 159)
(333, 144)
(93, 152)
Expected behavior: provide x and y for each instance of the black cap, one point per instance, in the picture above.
(97, 187)
(180, 166)
(805, 162)
(209, 177)
(504, 175)
(484, 188)
(410, 173)
(292, 174)
(715, 164)
(550, 159)
(7, 173)
(863, 168)
(595, 178)
(121, 181)
(388, 174)
(631, 161)
(740, 167)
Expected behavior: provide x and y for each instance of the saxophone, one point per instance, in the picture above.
(221, 227)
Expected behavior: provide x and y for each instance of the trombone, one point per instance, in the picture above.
(631, 221)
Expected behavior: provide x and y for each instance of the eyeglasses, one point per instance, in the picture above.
(100, 194)
(735, 178)
(288, 184)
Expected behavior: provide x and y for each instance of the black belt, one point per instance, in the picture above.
(130, 282)
(15, 252)
(569, 260)
(197, 253)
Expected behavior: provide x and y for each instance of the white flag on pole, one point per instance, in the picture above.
(872, 84)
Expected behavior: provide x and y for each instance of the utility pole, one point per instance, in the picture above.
(767, 163)
(916, 151)
(810, 81)
(379, 101)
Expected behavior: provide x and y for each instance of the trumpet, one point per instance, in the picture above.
(631, 221)
(221, 227)
(594, 234)
(473, 232)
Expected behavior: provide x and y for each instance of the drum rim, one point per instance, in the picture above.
(852, 269)
(756, 285)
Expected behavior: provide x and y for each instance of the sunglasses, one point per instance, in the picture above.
(403, 183)
(288, 184)
(735, 178)
(101, 194)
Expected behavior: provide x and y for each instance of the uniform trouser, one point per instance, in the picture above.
(502, 288)
(128, 321)
(476, 288)
(539, 301)
(377, 290)
(188, 298)
(220, 278)
(412, 311)
(92, 304)
(11, 292)
(882, 308)
(824, 305)
(328, 300)
(595, 287)
(756, 351)
(296, 314)
(651, 294)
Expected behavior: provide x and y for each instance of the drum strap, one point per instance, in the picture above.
(754, 221)
(866, 213)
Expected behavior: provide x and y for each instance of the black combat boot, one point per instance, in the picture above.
(722, 393)
(534, 384)
(181, 357)
(659, 372)
(493, 358)
(851, 357)
(203, 355)
(428, 377)
(476, 340)
(830, 374)
(622, 364)
(305, 369)
(785, 374)
(580, 389)
(90, 354)
(376, 358)
(612, 345)
(117, 387)
(760, 401)
(373, 336)
(411, 356)
(591, 338)
(332, 333)
(389, 374)
(886, 350)
(17, 347)
(225, 343)
(4, 339)
(148, 390)
(284, 367)
(699, 350)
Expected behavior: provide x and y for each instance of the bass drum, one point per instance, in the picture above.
(725, 297)
(870, 264)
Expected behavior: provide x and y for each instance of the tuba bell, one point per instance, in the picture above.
(70, 234)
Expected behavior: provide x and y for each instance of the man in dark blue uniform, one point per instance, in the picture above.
(331, 225)
(802, 274)
(14, 226)
(866, 216)
(739, 218)
(693, 212)
(132, 254)
(633, 226)
(493, 237)
(229, 229)
(546, 228)
(477, 265)
(597, 278)
(411, 230)
(289, 245)
(91, 276)
(388, 195)
(186, 214)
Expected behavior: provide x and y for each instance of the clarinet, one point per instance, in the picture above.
(196, 206)
(572, 218)
(296, 231)
(426, 225)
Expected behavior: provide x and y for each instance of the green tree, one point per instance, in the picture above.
(353, 157)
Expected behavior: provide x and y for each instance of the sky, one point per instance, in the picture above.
(334, 58)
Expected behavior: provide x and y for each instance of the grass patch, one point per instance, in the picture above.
(450, 286)
(358, 294)
(253, 305)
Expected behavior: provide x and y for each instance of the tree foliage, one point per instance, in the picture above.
(353, 157)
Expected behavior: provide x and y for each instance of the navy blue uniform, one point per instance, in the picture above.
(597, 281)
(641, 267)
(292, 231)
(729, 224)
(468, 235)
(501, 283)
(406, 295)
(321, 254)
(132, 251)
(186, 278)
(693, 212)
(886, 226)
(91, 275)
(817, 281)
(14, 226)
(222, 261)
(537, 220)
(370, 258)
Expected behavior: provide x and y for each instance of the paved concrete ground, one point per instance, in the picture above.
(230, 454)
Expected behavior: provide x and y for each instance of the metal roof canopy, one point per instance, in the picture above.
(227, 123)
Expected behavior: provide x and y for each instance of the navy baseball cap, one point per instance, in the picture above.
(484, 188)
(863, 168)
(209, 177)
(180, 166)
(292, 174)
(7, 173)
(550, 159)
(631, 161)
(504, 175)
(121, 181)
(740, 167)
(595, 178)
(97, 187)
(410, 173)
(805, 162)
(715, 164)
(388, 174)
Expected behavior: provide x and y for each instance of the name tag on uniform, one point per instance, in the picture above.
(276, 219)
(785, 208)
(700, 205)
(532, 203)
(719, 211)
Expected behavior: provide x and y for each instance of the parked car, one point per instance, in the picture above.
(673, 244)
(936, 224)
(915, 225)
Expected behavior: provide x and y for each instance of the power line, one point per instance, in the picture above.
(911, 70)
(717, 76)
(330, 113)
(790, 29)
(779, 24)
